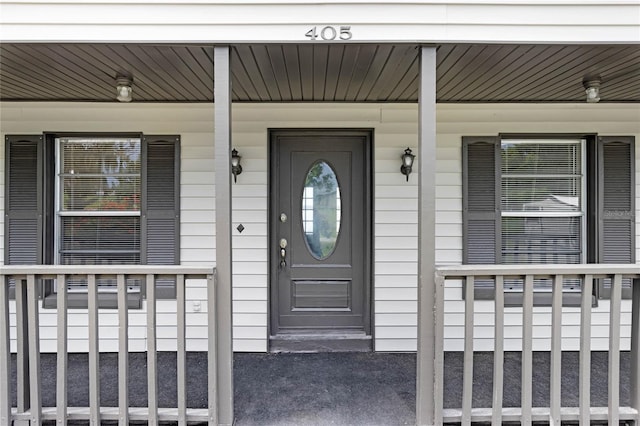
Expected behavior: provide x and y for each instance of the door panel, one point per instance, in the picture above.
(320, 231)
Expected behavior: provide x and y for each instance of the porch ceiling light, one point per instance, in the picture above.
(407, 163)
(123, 87)
(592, 88)
(236, 168)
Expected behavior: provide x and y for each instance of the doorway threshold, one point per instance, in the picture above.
(315, 342)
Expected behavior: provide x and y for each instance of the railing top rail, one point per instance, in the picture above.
(191, 270)
(597, 270)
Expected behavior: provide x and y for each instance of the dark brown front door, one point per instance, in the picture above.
(320, 231)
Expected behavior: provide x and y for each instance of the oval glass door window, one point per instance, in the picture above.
(321, 210)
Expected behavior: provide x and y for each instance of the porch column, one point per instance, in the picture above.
(222, 113)
(426, 407)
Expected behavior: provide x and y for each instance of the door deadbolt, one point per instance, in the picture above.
(283, 253)
(283, 217)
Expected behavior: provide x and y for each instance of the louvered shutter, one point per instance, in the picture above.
(23, 198)
(616, 205)
(161, 206)
(481, 206)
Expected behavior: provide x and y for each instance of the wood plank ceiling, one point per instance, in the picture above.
(318, 72)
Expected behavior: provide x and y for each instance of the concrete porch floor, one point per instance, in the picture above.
(328, 388)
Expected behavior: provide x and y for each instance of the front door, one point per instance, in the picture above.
(320, 236)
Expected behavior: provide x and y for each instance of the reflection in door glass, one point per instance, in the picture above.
(321, 210)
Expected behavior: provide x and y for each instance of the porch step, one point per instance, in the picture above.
(314, 342)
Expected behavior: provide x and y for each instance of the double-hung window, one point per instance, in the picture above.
(530, 199)
(98, 205)
(542, 202)
(93, 199)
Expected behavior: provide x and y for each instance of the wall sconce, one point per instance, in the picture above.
(236, 168)
(407, 163)
(123, 87)
(592, 87)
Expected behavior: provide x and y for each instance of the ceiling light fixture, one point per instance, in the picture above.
(592, 88)
(123, 87)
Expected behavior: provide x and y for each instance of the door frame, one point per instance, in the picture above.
(272, 215)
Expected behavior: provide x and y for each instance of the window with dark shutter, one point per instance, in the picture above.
(524, 202)
(116, 202)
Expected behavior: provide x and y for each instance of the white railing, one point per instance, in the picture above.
(526, 413)
(29, 408)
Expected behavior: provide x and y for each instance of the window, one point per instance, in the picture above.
(93, 200)
(97, 205)
(542, 203)
(532, 199)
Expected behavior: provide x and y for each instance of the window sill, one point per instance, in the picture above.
(105, 301)
(514, 299)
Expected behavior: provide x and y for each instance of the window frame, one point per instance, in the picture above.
(581, 142)
(61, 212)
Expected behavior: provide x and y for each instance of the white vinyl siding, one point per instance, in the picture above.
(395, 209)
(156, 21)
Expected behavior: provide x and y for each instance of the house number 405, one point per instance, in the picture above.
(330, 33)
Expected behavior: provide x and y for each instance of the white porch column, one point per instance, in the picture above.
(222, 108)
(426, 407)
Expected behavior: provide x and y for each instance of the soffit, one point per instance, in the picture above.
(318, 72)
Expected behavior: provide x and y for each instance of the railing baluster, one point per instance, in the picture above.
(467, 377)
(438, 373)
(614, 350)
(94, 351)
(123, 352)
(61, 373)
(34, 351)
(152, 351)
(527, 350)
(556, 352)
(22, 342)
(30, 410)
(635, 345)
(525, 414)
(5, 354)
(498, 351)
(181, 351)
(585, 351)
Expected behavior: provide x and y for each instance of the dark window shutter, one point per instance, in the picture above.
(23, 198)
(160, 208)
(481, 207)
(616, 205)
(481, 200)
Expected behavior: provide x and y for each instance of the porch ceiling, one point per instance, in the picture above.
(318, 72)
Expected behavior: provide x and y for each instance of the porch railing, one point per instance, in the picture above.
(526, 413)
(29, 408)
